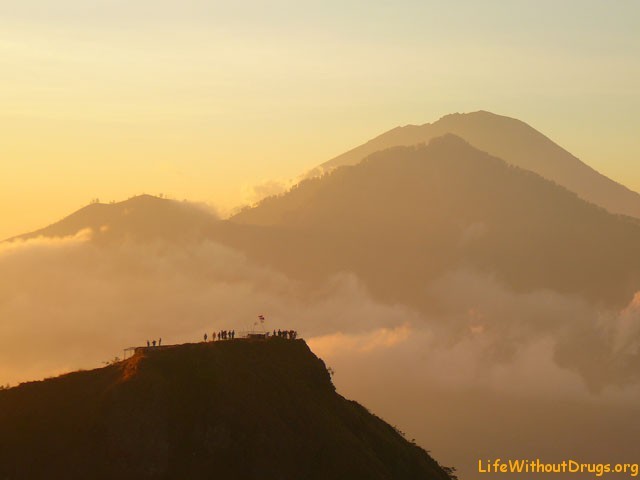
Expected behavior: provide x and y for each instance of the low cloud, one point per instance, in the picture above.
(383, 338)
(499, 374)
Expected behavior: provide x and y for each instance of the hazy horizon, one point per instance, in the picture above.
(109, 99)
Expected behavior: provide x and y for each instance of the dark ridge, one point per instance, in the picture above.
(238, 409)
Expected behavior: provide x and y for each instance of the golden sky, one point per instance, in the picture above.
(202, 99)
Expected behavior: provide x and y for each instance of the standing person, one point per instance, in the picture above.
(154, 343)
(205, 337)
(148, 343)
(160, 341)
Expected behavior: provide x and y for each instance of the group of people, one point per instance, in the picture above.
(289, 334)
(221, 335)
(231, 334)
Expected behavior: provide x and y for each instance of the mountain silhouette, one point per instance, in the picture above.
(402, 218)
(141, 218)
(405, 215)
(238, 409)
(513, 141)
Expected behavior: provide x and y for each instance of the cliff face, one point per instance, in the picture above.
(235, 410)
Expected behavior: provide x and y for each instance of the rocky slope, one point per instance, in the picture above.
(236, 410)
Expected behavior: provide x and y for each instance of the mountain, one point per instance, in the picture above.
(404, 216)
(401, 219)
(513, 141)
(143, 217)
(238, 409)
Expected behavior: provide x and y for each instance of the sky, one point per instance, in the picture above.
(204, 100)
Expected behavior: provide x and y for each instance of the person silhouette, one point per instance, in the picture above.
(205, 337)
(154, 343)
(160, 341)
(148, 343)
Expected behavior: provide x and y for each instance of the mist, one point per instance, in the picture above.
(492, 373)
(500, 374)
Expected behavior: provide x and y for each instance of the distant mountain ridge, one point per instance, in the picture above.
(144, 217)
(403, 218)
(238, 410)
(516, 143)
(406, 215)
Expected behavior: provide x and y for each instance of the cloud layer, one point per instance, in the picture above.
(540, 358)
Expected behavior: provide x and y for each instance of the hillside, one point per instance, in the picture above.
(144, 217)
(513, 141)
(236, 410)
(406, 215)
